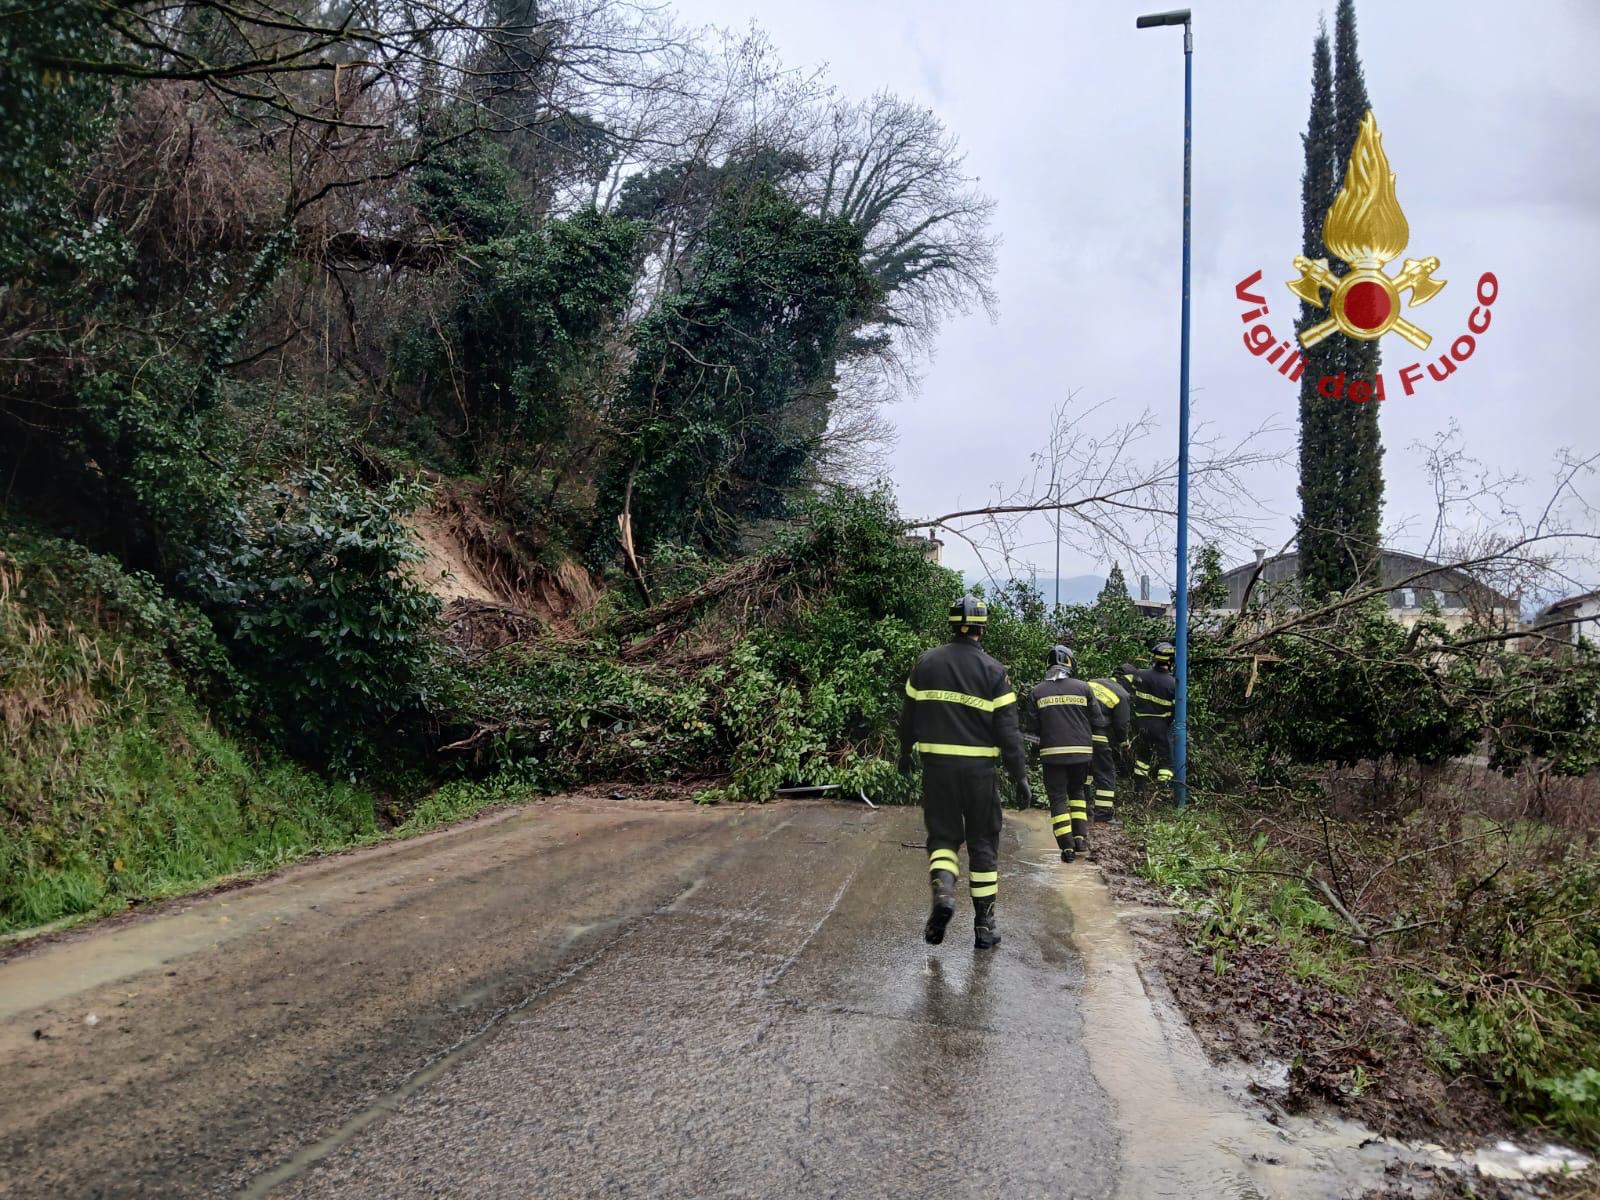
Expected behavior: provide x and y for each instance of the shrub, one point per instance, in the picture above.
(318, 608)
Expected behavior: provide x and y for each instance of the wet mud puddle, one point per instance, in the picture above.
(1190, 1128)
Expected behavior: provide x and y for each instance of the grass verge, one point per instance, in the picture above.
(1406, 969)
(116, 787)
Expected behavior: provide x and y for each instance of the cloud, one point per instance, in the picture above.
(1074, 120)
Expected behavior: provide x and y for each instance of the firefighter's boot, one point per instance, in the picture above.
(943, 886)
(985, 936)
(1061, 826)
(1080, 827)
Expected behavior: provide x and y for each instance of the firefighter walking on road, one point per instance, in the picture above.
(1154, 691)
(1117, 701)
(1069, 718)
(960, 715)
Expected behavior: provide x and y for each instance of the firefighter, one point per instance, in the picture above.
(1117, 701)
(1069, 716)
(1154, 691)
(960, 715)
(1124, 753)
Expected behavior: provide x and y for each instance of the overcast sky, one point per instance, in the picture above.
(1073, 121)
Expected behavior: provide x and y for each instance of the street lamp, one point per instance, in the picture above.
(1180, 714)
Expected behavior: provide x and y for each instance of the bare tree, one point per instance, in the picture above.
(892, 169)
(1114, 501)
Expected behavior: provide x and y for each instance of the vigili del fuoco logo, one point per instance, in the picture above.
(1366, 229)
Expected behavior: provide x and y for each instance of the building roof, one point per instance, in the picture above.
(1451, 587)
(1569, 602)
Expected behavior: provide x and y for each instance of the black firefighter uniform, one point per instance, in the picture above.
(1068, 715)
(1154, 692)
(1118, 705)
(960, 714)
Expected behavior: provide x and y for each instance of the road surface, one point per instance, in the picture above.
(614, 998)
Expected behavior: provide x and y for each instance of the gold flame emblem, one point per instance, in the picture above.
(1366, 228)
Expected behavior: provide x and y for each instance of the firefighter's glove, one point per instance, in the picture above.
(1024, 795)
(907, 765)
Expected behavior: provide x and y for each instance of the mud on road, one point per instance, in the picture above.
(587, 997)
(186, 1054)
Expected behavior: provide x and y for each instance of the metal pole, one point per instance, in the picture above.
(1180, 710)
(1180, 716)
(1058, 559)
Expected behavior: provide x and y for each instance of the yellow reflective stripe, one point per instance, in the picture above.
(988, 889)
(955, 620)
(1064, 819)
(959, 698)
(1154, 699)
(958, 751)
(985, 876)
(1066, 750)
(1100, 737)
(1105, 695)
(1108, 793)
(1047, 701)
(942, 856)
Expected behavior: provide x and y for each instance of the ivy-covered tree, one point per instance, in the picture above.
(1341, 476)
(719, 416)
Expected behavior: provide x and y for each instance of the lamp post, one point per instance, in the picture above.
(1180, 714)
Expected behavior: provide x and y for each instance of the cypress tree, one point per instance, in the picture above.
(1116, 587)
(1362, 493)
(1341, 479)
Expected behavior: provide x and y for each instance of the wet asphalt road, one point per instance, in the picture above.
(586, 998)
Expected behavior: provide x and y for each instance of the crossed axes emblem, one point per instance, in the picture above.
(1377, 315)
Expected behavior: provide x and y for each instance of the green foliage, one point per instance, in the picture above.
(1018, 633)
(1116, 587)
(1227, 884)
(49, 118)
(809, 695)
(1545, 710)
(816, 698)
(157, 467)
(1341, 476)
(563, 716)
(1208, 590)
(1518, 1000)
(113, 785)
(168, 644)
(1513, 994)
(1104, 634)
(470, 187)
(727, 397)
(317, 605)
(526, 333)
(1349, 693)
(682, 197)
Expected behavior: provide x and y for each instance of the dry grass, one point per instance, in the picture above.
(52, 678)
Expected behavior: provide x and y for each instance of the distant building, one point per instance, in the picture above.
(1581, 615)
(1422, 588)
(932, 548)
(1159, 609)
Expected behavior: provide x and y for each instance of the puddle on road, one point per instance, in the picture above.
(1190, 1128)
